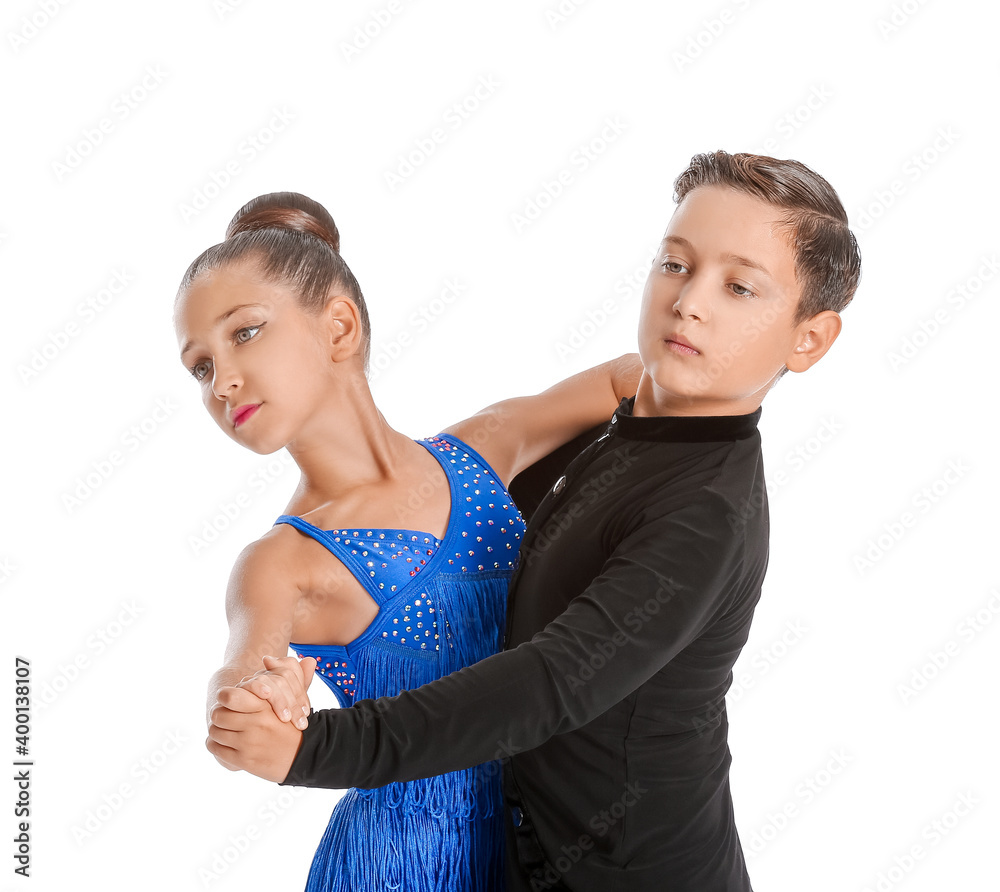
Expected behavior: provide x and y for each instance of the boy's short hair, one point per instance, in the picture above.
(827, 259)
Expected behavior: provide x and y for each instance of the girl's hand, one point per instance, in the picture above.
(283, 682)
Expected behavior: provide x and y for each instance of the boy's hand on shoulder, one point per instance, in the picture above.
(283, 682)
(245, 735)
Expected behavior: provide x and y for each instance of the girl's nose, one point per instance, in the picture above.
(225, 377)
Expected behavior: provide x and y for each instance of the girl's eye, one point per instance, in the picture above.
(672, 266)
(200, 370)
(741, 291)
(249, 332)
(240, 336)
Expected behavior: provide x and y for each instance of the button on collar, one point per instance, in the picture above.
(560, 485)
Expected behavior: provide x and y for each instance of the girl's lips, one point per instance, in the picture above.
(243, 413)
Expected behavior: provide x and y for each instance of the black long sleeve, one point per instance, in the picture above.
(648, 604)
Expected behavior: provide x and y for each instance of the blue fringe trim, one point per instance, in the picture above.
(474, 613)
(437, 834)
(367, 847)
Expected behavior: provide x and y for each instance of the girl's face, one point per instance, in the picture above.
(257, 356)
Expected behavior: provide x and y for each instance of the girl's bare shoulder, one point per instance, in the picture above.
(269, 567)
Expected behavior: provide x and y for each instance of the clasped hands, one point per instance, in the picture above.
(257, 725)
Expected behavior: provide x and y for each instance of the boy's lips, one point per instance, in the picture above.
(682, 345)
(243, 413)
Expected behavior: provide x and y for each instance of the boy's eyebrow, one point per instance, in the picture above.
(737, 259)
(219, 321)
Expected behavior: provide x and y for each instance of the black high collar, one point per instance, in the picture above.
(682, 428)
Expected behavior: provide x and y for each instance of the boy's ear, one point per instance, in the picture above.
(814, 337)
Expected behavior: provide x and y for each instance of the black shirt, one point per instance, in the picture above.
(633, 595)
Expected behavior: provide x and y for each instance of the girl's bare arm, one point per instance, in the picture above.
(515, 433)
(261, 601)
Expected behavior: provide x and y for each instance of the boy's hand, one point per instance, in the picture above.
(283, 683)
(245, 734)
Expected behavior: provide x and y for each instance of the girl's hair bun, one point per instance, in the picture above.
(286, 210)
(289, 238)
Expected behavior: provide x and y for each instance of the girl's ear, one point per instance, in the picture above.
(343, 324)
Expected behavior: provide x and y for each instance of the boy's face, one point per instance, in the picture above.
(715, 327)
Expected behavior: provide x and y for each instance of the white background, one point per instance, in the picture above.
(120, 611)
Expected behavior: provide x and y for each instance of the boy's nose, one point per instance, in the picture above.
(691, 302)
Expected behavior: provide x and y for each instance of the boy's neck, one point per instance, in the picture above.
(653, 401)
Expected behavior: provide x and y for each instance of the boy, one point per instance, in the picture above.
(637, 579)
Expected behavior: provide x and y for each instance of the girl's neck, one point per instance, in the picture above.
(348, 444)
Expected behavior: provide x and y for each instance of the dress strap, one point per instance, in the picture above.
(348, 557)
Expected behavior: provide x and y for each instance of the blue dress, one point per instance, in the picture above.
(441, 607)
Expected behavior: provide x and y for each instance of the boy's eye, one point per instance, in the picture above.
(672, 266)
(741, 291)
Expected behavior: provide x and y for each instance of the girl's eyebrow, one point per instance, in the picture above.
(218, 322)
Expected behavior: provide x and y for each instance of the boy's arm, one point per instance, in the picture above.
(513, 434)
(657, 592)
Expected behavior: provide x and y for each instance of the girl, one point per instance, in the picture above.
(391, 563)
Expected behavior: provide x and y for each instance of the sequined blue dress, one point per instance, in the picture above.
(441, 607)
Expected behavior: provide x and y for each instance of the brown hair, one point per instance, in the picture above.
(827, 259)
(294, 241)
